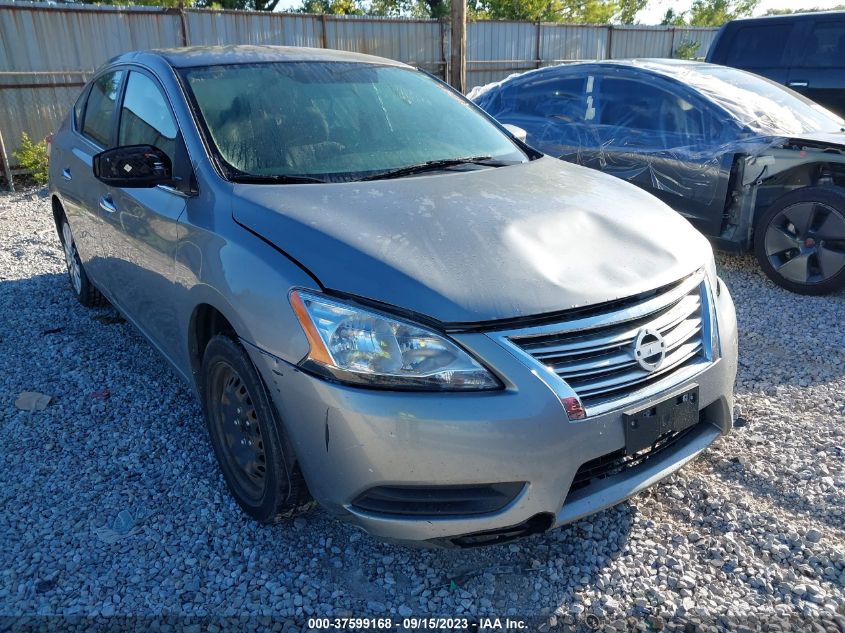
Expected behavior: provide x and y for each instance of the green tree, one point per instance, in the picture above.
(717, 12)
(571, 11)
(32, 156)
(413, 8)
(336, 7)
(839, 7)
(134, 3)
(673, 18)
(686, 49)
(710, 12)
(628, 10)
(241, 5)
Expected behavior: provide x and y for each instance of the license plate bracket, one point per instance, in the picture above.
(676, 412)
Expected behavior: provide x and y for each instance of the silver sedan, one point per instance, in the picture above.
(384, 299)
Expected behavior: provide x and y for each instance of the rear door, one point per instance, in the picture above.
(139, 234)
(92, 128)
(551, 107)
(819, 72)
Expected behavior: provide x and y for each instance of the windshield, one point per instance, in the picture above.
(762, 105)
(336, 121)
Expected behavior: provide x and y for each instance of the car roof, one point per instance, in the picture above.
(192, 56)
(803, 15)
(666, 67)
(655, 64)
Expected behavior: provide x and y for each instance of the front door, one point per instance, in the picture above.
(139, 234)
(820, 72)
(664, 142)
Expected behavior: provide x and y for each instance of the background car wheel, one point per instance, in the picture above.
(800, 240)
(83, 289)
(255, 456)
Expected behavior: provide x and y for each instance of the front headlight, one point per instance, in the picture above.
(715, 290)
(712, 276)
(354, 345)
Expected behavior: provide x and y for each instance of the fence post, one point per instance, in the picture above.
(444, 58)
(537, 48)
(183, 23)
(609, 41)
(7, 170)
(457, 75)
(324, 38)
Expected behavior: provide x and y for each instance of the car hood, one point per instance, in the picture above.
(825, 139)
(479, 245)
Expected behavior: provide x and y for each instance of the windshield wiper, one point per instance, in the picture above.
(279, 179)
(433, 165)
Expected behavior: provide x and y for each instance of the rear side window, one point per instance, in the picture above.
(145, 118)
(79, 110)
(825, 46)
(100, 107)
(758, 46)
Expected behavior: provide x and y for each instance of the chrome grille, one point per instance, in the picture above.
(595, 357)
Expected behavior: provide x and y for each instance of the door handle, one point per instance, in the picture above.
(107, 204)
(66, 174)
(798, 84)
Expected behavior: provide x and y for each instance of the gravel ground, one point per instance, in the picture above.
(116, 506)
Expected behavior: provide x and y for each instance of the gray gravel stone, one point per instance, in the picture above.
(753, 527)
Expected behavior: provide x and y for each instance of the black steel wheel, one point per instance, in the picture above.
(250, 444)
(800, 240)
(235, 414)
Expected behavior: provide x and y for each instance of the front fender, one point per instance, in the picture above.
(244, 279)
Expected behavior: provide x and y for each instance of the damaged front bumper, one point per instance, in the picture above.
(465, 469)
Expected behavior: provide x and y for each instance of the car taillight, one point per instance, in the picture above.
(49, 141)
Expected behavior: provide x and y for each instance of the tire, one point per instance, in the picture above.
(80, 284)
(253, 451)
(800, 240)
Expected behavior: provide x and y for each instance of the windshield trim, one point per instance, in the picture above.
(232, 174)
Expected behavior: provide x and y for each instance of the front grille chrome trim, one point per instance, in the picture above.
(588, 357)
(650, 306)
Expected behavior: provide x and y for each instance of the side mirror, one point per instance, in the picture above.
(517, 131)
(133, 166)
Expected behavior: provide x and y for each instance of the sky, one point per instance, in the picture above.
(657, 8)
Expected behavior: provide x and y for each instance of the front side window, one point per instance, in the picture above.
(99, 109)
(336, 121)
(759, 46)
(662, 118)
(145, 118)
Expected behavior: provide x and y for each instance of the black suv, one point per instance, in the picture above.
(805, 51)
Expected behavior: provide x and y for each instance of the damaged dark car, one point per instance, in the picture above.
(753, 165)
